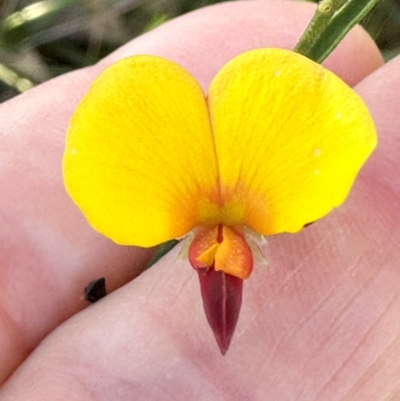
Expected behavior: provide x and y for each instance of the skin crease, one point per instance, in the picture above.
(320, 322)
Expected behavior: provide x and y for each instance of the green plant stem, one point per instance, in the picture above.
(331, 22)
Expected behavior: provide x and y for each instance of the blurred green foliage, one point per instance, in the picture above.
(42, 39)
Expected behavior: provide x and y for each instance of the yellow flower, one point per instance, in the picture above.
(276, 144)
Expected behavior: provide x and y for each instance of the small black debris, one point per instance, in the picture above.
(95, 290)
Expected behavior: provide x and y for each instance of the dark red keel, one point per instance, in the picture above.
(222, 298)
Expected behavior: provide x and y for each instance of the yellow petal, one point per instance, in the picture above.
(290, 139)
(139, 156)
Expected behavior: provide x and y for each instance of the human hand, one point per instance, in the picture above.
(319, 322)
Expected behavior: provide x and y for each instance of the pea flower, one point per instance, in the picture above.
(276, 144)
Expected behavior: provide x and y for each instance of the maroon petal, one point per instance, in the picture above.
(222, 298)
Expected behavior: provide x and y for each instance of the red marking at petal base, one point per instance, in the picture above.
(222, 298)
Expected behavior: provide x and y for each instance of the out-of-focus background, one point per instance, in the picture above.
(42, 39)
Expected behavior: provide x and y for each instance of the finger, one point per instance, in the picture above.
(47, 251)
(195, 40)
(48, 244)
(379, 346)
(380, 92)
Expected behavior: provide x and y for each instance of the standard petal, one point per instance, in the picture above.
(290, 139)
(139, 156)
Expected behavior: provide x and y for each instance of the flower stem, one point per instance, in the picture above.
(161, 250)
(330, 23)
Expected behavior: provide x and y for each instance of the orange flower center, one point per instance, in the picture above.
(223, 247)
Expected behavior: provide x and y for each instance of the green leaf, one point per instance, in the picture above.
(161, 251)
